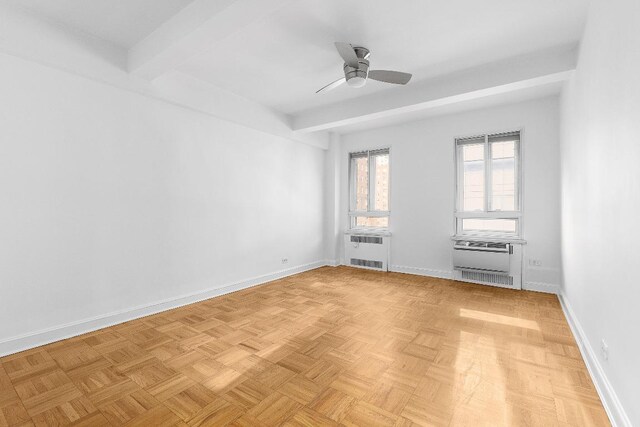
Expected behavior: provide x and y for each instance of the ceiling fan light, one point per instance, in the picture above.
(356, 81)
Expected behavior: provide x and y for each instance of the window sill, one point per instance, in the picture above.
(497, 239)
(368, 231)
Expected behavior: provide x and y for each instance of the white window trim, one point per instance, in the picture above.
(371, 194)
(486, 213)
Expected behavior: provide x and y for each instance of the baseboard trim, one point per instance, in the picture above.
(332, 262)
(608, 396)
(56, 333)
(548, 288)
(420, 271)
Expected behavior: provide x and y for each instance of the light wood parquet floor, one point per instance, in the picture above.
(333, 346)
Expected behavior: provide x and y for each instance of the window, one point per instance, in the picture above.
(488, 185)
(369, 189)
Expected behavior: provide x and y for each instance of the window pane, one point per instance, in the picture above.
(473, 177)
(363, 221)
(381, 178)
(503, 176)
(360, 167)
(489, 225)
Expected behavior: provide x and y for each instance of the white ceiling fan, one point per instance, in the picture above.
(356, 69)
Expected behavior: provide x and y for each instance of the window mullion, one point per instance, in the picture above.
(372, 184)
(459, 180)
(487, 174)
(352, 185)
(517, 177)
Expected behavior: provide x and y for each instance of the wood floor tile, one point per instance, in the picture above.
(109, 394)
(232, 355)
(217, 413)
(275, 409)
(388, 397)
(12, 413)
(247, 394)
(127, 407)
(275, 352)
(251, 366)
(333, 404)
(21, 365)
(194, 365)
(332, 346)
(167, 350)
(223, 380)
(149, 338)
(297, 362)
(170, 387)
(158, 416)
(274, 376)
(62, 417)
(309, 418)
(247, 420)
(75, 356)
(353, 385)
(370, 367)
(428, 413)
(323, 372)
(366, 414)
(190, 401)
(45, 392)
(148, 372)
(301, 389)
(124, 352)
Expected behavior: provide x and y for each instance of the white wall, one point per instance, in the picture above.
(422, 185)
(112, 200)
(601, 197)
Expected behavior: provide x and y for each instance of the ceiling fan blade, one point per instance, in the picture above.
(395, 77)
(348, 54)
(332, 85)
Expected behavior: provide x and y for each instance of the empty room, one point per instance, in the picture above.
(319, 213)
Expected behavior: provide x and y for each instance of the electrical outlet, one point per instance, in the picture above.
(285, 260)
(605, 349)
(535, 262)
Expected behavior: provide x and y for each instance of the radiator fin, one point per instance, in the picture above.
(366, 263)
(497, 279)
(377, 240)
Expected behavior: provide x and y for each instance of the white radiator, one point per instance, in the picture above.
(489, 263)
(367, 250)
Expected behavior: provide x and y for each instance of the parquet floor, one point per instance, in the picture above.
(333, 346)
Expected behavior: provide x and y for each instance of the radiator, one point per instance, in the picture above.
(487, 262)
(369, 251)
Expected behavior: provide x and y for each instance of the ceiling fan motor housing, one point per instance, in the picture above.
(357, 77)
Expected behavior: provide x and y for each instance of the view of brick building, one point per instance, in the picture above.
(380, 173)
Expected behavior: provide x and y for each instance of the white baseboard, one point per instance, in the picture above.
(332, 262)
(56, 333)
(440, 274)
(549, 288)
(610, 401)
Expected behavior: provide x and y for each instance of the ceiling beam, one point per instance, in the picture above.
(192, 31)
(516, 74)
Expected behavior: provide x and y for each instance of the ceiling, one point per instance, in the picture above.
(279, 57)
(293, 49)
(123, 22)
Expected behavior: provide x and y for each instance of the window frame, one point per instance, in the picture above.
(487, 213)
(369, 213)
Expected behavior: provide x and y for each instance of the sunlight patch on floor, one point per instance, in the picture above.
(498, 318)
